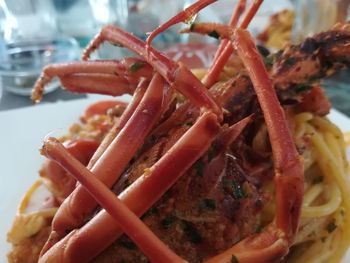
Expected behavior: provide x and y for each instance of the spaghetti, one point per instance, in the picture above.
(324, 234)
(212, 191)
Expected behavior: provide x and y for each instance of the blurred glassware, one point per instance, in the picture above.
(139, 17)
(314, 16)
(221, 12)
(75, 18)
(29, 41)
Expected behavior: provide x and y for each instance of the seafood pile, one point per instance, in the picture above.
(180, 173)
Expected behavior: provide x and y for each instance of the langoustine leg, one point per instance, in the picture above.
(155, 249)
(112, 162)
(274, 242)
(102, 77)
(85, 243)
(116, 35)
(178, 77)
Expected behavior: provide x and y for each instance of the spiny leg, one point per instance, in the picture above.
(116, 128)
(99, 232)
(104, 84)
(56, 179)
(178, 76)
(112, 162)
(146, 240)
(211, 77)
(218, 64)
(183, 16)
(274, 242)
(237, 13)
(89, 76)
(225, 47)
(289, 175)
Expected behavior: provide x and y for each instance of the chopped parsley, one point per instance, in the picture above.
(211, 154)
(128, 244)
(263, 50)
(278, 54)
(302, 88)
(258, 229)
(331, 226)
(136, 66)
(199, 166)
(317, 179)
(168, 221)
(238, 191)
(117, 44)
(268, 61)
(152, 211)
(192, 26)
(190, 123)
(290, 61)
(234, 259)
(258, 203)
(342, 212)
(209, 204)
(191, 232)
(234, 188)
(214, 34)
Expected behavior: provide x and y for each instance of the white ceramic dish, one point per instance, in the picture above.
(22, 132)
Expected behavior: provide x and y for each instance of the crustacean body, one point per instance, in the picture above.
(185, 148)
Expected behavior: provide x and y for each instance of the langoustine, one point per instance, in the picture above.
(280, 238)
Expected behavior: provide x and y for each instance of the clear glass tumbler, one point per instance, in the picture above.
(314, 16)
(29, 41)
(138, 17)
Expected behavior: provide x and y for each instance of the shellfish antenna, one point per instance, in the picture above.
(183, 16)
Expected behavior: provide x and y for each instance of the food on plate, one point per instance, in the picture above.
(240, 168)
(278, 33)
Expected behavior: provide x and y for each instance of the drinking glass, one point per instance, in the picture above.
(29, 41)
(314, 16)
(138, 17)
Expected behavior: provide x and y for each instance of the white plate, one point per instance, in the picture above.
(22, 132)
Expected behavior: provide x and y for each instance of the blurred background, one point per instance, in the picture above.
(34, 33)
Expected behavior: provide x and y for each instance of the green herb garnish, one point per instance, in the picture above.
(199, 166)
(232, 187)
(214, 34)
(258, 203)
(331, 226)
(117, 44)
(268, 61)
(209, 204)
(258, 229)
(238, 191)
(190, 123)
(168, 221)
(128, 244)
(192, 26)
(191, 232)
(263, 50)
(317, 179)
(302, 88)
(211, 154)
(136, 66)
(290, 61)
(234, 259)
